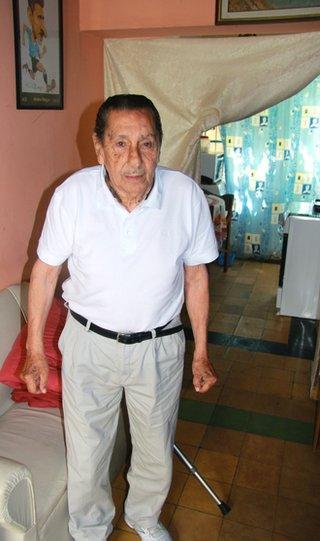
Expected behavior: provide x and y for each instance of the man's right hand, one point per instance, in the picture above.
(35, 373)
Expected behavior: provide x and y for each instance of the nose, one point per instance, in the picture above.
(134, 158)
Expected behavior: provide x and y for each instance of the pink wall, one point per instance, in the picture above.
(170, 17)
(39, 148)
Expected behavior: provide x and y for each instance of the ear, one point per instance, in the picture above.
(98, 148)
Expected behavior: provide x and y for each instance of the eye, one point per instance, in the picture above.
(120, 144)
(148, 144)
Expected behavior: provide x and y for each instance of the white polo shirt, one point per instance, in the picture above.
(126, 268)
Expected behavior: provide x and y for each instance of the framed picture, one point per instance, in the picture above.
(38, 53)
(255, 11)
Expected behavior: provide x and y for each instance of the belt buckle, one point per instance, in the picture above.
(124, 334)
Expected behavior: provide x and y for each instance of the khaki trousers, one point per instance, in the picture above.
(95, 372)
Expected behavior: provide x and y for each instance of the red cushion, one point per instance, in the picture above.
(9, 373)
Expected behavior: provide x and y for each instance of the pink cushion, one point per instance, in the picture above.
(9, 373)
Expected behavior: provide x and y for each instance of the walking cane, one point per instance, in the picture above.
(224, 508)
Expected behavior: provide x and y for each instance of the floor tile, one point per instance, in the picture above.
(216, 466)
(302, 410)
(247, 331)
(216, 351)
(253, 508)
(228, 318)
(258, 476)
(300, 391)
(263, 449)
(281, 335)
(276, 348)
(298, 520)
(245, 368)
(301, 366)
(233, 531)
(268, 360)
(255, 311)
(279, 374)
(243, 381)
(237, 354)
(278, 323)
(191, 525)
(280, 537)
(274, 387)
(120, 481)
(277, 427)
(263, 403)
(252, 322)
(298, 456)
(198, 412)
(221, 364)
(119, 497)
(195, 496)
(241, 292)
(223, 440)
(228, 417)
(189, 433)
(246, 280)
(231, 308)
(219, 325)
(236, 398)
(246, 342)
(302, 376)
(300, 485)
(219, 338)
(282, 406)
(120, 535)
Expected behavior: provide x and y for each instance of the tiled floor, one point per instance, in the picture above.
(251, 435)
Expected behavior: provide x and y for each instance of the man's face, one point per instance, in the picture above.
(36, 19)
(129, 151)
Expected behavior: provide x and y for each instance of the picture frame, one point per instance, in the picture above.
(261, 11)
(38, 44)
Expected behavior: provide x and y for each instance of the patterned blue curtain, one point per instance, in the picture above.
(272, 166)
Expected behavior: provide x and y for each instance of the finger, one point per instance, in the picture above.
(31, 384)
(197, 382)
(43, 382)
(203, 383)
(206, 385)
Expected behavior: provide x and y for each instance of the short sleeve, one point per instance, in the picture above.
(202, 247)
(56, 240)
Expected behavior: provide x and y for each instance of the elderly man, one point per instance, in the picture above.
(136, 237)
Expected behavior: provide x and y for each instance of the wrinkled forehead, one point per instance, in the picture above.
(130, 122)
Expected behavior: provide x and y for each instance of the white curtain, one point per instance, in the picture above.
(197, 83)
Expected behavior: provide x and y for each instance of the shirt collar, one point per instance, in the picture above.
(154, 199)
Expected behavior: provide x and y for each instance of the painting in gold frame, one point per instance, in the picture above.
(255, 11)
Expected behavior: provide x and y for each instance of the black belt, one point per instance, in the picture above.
(123, 337)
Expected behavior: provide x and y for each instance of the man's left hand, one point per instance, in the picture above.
(204, 376)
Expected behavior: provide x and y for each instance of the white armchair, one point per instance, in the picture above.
(33, 502)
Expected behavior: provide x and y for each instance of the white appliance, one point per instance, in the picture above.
(299, 281)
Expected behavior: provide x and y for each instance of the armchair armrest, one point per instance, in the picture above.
(17, 506)
(5, 398)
